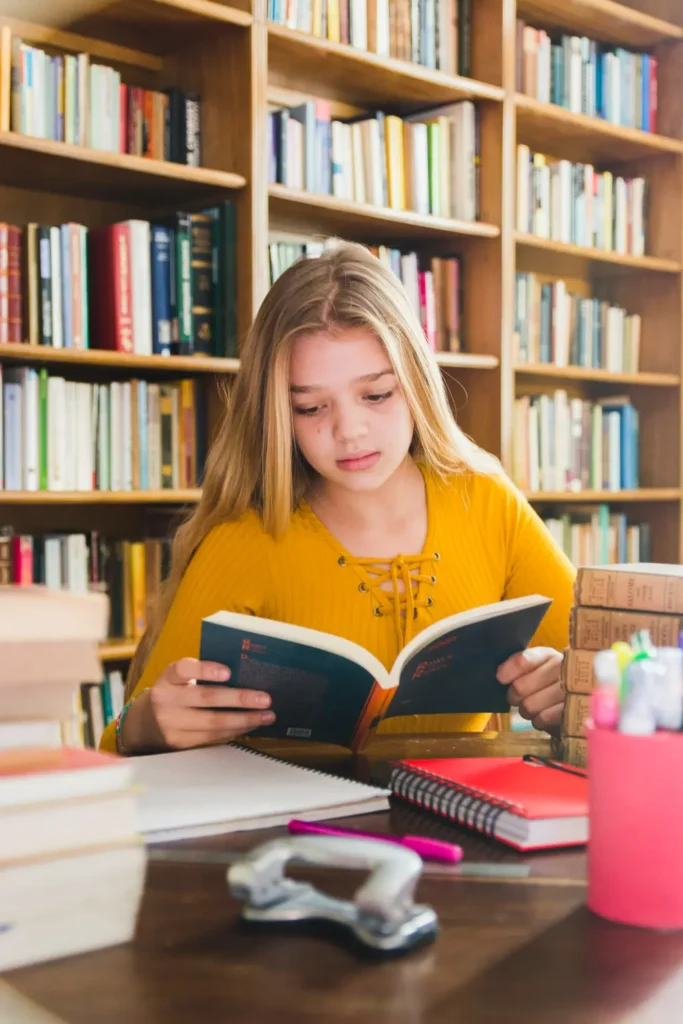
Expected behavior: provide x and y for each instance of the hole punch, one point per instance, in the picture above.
(382, 914)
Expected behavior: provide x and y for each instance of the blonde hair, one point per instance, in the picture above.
(254, 462)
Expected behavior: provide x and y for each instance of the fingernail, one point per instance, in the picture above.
(262, 700)
(267, 717)
(222, 674)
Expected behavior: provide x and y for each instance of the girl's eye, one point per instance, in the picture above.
(376, 399)
(310, 411)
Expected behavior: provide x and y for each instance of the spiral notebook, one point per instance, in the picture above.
(526, 804)
(213, 790)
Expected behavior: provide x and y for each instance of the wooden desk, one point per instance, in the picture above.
(510, 950)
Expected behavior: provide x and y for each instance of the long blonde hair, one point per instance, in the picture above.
(254, 462)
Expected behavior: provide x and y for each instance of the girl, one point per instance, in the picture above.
(341, 495)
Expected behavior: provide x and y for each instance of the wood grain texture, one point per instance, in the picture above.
(601, 19)
(328, 213)
(92, 173)
(555, 130)
(124, 361)
(361, 76)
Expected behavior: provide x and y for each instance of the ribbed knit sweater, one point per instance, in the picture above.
(484, 544)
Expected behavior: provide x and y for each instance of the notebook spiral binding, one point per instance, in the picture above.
(462, 805)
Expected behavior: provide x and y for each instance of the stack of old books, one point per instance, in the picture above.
(612, 603)
(48, 647)
(71, 864)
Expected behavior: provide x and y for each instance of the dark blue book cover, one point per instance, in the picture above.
(329, 690)
(160, 255)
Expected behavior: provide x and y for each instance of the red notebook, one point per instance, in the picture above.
(526, 804)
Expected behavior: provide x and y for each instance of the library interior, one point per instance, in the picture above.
(341, 511)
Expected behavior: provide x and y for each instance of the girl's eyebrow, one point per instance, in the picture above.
(301, 389)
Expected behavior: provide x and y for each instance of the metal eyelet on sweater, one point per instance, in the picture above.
(430, 602)
(432, 579)
(341, 561)
(363, 589)
(377, 612)
(437, 556)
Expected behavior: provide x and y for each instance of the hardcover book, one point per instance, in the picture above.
(330, 690)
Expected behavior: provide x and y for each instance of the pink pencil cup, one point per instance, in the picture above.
(635, 850)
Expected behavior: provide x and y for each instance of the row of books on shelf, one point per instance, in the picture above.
(570, 444)
(600, 537)
(164, 288)
(63, 435)
(574, 203)
(99, 704)
(427, 162)
(434, 286)
(68, 98)
(557, 326)
(435, 33)
(130, 572)
(588, 77)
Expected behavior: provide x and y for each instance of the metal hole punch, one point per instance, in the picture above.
(382, 914)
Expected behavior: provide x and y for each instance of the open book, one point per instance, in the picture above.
(329, 690)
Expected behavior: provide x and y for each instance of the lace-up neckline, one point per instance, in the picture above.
(396, 587)
(406, 594)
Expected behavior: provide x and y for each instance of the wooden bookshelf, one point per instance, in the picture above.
(654, 494)
(128, 362)
(242, 65)
(93, 173)
(328, 214)
(117, 649)
(550, 128)
(580, 373)
(364, 78)
(605, 20)
(157, 497)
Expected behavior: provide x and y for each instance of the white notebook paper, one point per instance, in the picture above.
(229, 789)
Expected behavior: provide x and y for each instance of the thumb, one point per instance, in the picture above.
(521, 663)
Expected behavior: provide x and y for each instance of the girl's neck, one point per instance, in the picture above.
(398, 500)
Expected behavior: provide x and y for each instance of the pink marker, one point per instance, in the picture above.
(605, 697)
(428, 849)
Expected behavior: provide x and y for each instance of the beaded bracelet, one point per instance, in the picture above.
(120, 719)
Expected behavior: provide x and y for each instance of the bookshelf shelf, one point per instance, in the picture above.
(641, 379)
(166, 497)
(363, 77)
(83, 172)
(645, 494)
(566, 257)
(162, 24)
(467, 360)
(117, 649)
(600, 19)
(122, 360)
(75, 42)
(551, 128)
(327, 213)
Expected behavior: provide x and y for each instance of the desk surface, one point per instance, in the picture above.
(513, 949)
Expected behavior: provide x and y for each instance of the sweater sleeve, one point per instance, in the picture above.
(228, 572)
(536, 565)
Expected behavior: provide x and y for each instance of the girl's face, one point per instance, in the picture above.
(351, 420)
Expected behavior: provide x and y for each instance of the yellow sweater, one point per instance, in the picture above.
(484, 543)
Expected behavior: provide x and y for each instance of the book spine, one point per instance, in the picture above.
(616, 588)
(203, 292)
(577, 671)
(161, 290)
(575, 752)
(577, 708)
(14, 285)
(593, 629)
(183, 271)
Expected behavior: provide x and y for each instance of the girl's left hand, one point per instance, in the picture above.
(534, 685)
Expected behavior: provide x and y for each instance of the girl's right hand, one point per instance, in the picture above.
(175, 713)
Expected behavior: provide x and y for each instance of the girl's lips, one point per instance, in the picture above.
(356, 462)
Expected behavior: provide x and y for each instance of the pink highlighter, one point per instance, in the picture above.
(428, 849)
